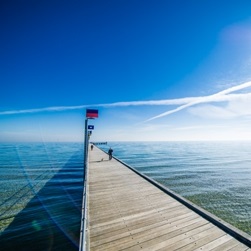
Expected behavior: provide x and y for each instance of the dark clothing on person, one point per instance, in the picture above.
(110, 153)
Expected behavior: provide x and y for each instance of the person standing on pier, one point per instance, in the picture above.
(110, 153)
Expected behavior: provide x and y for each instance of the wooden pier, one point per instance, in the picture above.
(128, 212)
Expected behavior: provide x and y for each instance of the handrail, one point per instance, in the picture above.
(83, 243)
(226, 227)
(238, 234)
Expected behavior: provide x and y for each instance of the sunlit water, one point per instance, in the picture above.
(213, 175)
(41, 185)
(40, 196)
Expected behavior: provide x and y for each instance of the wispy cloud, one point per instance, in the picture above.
(212, 112)
(197, 127)
(116, 104)
(183, 103)
(239, 105)
(45, 109)
(217, 97)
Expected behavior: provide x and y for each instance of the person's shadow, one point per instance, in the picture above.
(51, 220)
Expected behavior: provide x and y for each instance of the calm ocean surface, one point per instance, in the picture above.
(213, 175)
(40, 196)
(41, 185)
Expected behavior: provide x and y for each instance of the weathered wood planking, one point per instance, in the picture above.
(126, 212)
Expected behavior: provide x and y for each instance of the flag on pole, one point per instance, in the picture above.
(90, 113)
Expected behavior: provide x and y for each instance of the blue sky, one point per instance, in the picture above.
(156, 70)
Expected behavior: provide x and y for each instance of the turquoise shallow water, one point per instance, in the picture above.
(214, 175)
(40, 196)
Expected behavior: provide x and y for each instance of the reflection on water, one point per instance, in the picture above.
(41, 185)
(41, 206)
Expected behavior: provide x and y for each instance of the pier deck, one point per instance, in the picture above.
(127, 212)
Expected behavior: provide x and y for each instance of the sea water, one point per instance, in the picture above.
(41, 185)
(214, 175)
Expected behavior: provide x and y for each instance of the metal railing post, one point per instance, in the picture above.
(83, 237)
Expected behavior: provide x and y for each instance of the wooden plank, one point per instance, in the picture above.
(150, 234)
(126, 212)
(185, 240)
(227, 245)
(240, 247)
(173, 237)
(135, 222)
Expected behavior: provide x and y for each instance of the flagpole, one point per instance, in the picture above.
(90, 114)
(85, 149)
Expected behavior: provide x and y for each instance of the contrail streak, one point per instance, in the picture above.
(116, 104)
(183, 102)
(45, 109)
(220, 96)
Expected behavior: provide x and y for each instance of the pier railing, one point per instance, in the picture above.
(83, 243)
(238, 234)
(104, 171)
